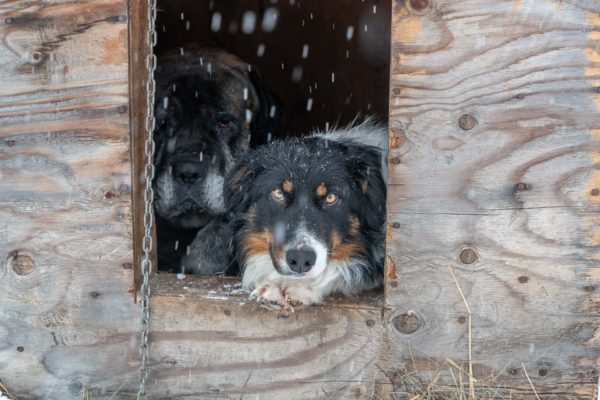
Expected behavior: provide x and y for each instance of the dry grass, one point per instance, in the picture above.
(4, 391)
(451, 381)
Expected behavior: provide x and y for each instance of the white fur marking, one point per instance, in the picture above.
(213, 191)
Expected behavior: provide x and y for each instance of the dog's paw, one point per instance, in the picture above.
(269, 295)
(297, 296)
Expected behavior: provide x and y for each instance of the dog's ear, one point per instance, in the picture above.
(368, 178)
(269, 118)
(239, 188)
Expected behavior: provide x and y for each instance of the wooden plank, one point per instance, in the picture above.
(207, 340)
(68, 325)
(65, 197)
(494, 171)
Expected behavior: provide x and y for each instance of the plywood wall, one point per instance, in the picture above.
(494, 171)
(495, 117)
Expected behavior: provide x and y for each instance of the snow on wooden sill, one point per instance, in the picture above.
(227, 289)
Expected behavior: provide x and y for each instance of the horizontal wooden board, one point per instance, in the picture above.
(494, 172)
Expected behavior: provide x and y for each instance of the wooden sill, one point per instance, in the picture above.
(227, 290)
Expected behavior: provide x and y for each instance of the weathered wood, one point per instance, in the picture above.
(494, 162)
(65, 198)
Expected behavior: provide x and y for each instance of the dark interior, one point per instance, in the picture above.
(326, 61)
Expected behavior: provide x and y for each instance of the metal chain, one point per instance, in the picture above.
(149, 147)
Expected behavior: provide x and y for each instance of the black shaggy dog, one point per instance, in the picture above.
(309, 215)
(211, 107)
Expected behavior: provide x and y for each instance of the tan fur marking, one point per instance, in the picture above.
(341, 251)
(321, 190)
(257, 243)
(288, 186)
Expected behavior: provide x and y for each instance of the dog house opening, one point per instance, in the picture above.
(235, 76)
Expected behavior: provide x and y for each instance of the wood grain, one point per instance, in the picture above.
(65, 194)
(495, 157)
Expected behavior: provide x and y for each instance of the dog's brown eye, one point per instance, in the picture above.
(224, 123)
(331, 198)
(277, 194)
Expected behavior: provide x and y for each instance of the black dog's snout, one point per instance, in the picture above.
(301, 260)
(187, 172)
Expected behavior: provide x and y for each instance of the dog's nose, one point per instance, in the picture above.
(187, 172)
(301, 260)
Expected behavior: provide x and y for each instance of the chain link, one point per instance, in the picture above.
(149, 148)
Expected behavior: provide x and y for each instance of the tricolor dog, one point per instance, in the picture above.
(211, 108)
(309, 215)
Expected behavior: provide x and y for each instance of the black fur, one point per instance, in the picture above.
(350, 170)
(209, 106)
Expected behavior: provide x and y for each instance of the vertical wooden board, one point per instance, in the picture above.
(494, 166)
(65, 197)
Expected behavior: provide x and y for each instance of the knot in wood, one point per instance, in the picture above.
(407, 323)
(21, 264)
(523, 279)
(110, 195)
(397, 138)
(419, 5)
(467, 122)
(595, 192)
(468, 256)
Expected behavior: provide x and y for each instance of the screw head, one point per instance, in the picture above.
(523, 186)
(468, 256)
(466, 122)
